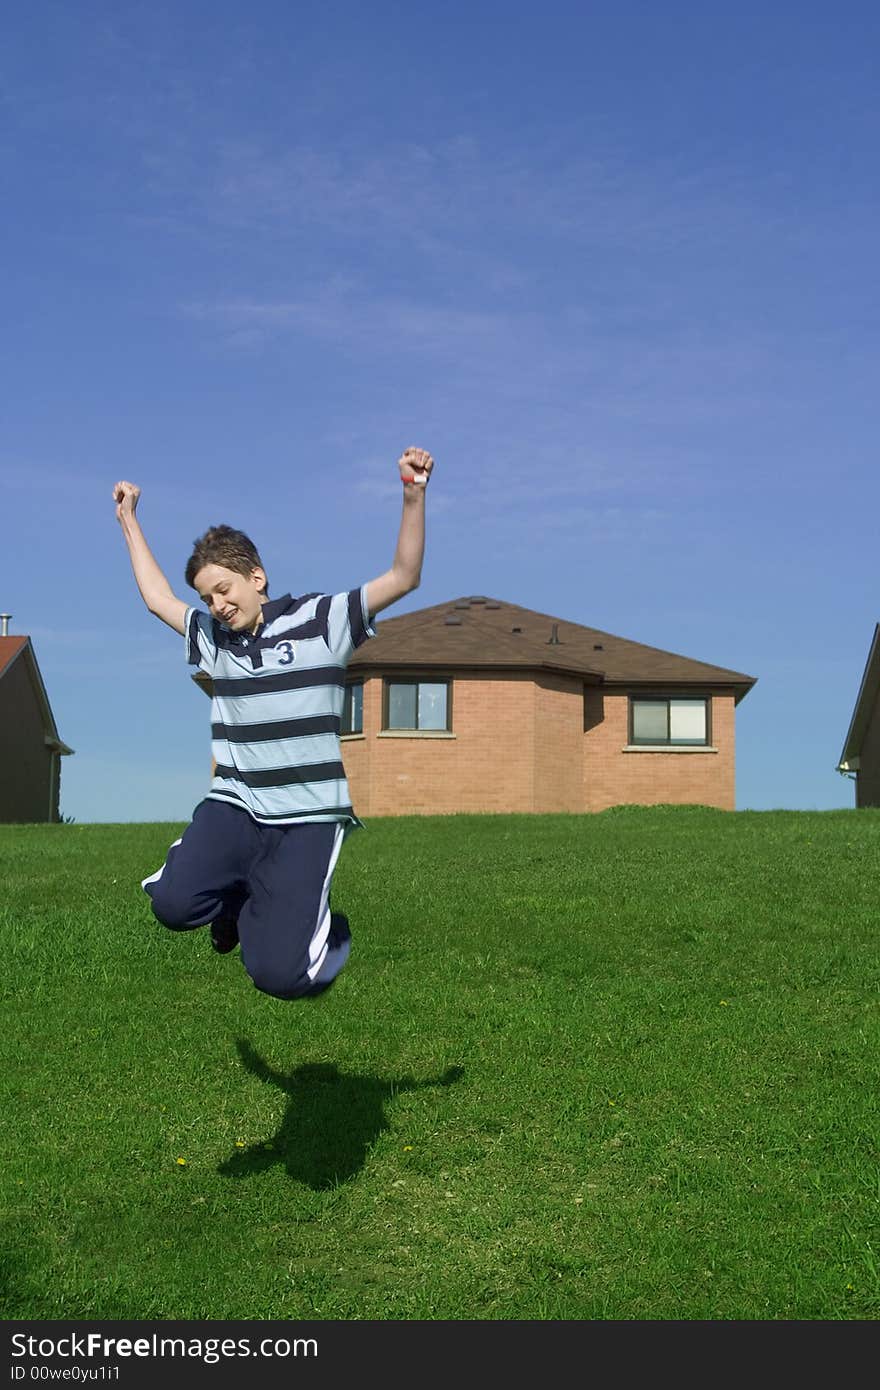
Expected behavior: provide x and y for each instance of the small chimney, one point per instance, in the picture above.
(553, 639)
(4, 624)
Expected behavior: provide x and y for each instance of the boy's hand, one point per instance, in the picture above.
(415, 466)
(125, 495)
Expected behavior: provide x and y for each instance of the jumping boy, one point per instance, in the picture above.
(257, 859)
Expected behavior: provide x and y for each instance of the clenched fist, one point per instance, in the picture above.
(125, 495)
(415, 466)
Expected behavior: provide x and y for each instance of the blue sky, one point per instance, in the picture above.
(614, 265)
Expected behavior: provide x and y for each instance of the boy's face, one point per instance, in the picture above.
(234, 599)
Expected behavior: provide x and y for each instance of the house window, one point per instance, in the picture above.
(353, 709)
(669, 721)
(416, 705)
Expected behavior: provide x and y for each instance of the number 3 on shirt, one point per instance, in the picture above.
(286, 650)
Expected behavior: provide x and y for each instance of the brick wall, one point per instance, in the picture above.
(612, 777)
(559, 744)
(523, 744)
(425, 775)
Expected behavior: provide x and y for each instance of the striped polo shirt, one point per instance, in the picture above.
(276, 708)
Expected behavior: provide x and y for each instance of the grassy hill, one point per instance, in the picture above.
(619, 1066)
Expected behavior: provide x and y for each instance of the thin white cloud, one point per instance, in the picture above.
(568, 363)
(333, 315)
(455, 192)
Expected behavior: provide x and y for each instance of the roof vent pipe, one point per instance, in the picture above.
(553, 639)
(4, 624)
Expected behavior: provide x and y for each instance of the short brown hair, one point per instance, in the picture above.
(222, 545)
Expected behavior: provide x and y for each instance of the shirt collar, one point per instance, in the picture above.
(273, 609)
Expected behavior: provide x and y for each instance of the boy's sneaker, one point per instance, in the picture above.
(340, 931)
(224, 934)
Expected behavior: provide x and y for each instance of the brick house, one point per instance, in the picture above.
(477, 705)
(860, 758)
(30, 749)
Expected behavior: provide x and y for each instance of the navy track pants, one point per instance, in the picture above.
(274, 878)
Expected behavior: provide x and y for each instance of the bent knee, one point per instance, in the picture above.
(288, 975)
(279, 984)
(170, 910)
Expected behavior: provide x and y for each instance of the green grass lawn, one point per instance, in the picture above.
(616, 1066)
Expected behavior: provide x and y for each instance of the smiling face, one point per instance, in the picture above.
(234, 599)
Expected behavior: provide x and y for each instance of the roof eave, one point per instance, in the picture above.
(400, 663)
(720, 683)
(50, 728)
(58, 747)
(868, 689)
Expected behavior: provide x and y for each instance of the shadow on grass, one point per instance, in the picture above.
(20, 1296)
(332, 1120)
(31, 1290)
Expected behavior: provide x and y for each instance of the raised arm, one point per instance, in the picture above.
(154, 588)
(415, 467)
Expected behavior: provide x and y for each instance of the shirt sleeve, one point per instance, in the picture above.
(348, 623)
(201, 649)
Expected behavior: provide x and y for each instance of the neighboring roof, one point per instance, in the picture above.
(14, 649)
(865, 703)
(10, 648)
(488, 633)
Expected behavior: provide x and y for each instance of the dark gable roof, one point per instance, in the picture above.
(19, 648)
(866, 701)
(487, 633)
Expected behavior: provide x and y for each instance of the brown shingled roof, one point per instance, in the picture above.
(9, 648)
(487, 633)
